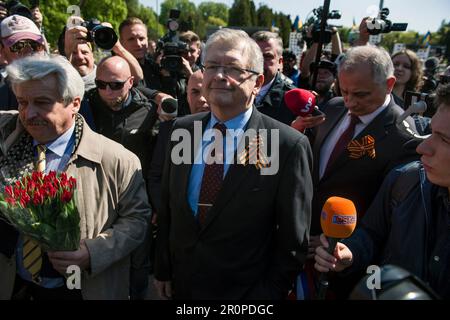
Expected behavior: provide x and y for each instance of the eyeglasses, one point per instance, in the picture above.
(228, 71)
(19, 46)
(116, 85)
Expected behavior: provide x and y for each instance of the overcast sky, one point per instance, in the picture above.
(421, 15)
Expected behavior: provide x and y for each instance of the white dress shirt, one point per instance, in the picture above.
(338, 130)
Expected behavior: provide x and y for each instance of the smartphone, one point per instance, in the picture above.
(316, 112)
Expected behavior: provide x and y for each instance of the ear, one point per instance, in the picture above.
(390, 82)
(131, 81)
(258, 84)
(75, 105)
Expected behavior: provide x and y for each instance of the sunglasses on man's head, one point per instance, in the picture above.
(116, 85)
(21, 45)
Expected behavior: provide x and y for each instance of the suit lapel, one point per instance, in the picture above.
(236, 174)
(185, 170)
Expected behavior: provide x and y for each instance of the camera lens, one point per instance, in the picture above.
(104, 37)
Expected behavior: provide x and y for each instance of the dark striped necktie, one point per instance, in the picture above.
(211, 182)
(32, 253)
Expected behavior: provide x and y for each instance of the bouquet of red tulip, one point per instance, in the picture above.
(42, 206)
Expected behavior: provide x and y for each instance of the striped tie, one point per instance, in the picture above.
(32, 253)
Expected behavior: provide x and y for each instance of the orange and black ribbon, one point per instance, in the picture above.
(253, 154)
(364, 146)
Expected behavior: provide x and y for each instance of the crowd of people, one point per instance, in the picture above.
(223, 200)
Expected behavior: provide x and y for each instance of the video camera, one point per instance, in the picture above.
(316, 21)
(104, 37)
(172, 48)
(381, 24)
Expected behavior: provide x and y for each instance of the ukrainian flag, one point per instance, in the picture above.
(426, 39)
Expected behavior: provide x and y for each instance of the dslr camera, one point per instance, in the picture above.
(381, 24)
(316, 21)
(171, 46)
(104, 37)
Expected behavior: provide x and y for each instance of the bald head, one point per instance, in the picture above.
(114, 81)
(116, 65)
(196, 100)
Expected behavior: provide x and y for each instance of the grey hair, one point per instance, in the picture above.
(266, 36)
(69, 82)
(238, 39)
(375, 58)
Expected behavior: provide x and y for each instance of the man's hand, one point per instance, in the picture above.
(342, 259)
(63, 259)
(302, 123)
(3, 12)
(187, 70)
(164, 289)
(363, 33)
(72, 38)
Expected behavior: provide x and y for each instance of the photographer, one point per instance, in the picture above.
(305, 66)
(78, 35)
(133, 37)
(429, 81)
(178, 63)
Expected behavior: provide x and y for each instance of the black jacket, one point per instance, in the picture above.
(8, 99)
(255, 237)
(359, 179)
(132, 126)
(404, 227)
(273, 103)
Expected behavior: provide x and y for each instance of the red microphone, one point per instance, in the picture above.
(300, 102)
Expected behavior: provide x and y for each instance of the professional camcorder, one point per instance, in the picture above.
(172, 48)
(316, 20)
(104, 37)
(381, 24)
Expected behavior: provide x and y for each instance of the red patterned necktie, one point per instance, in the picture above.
(343, 141)
(211, 182)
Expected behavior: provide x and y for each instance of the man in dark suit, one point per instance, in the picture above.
(270, 99)
(360, 139)
(228, 229)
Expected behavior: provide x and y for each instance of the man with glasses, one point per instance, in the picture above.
(227, 229)
(270, 99)
(123, 114)
(20, 37)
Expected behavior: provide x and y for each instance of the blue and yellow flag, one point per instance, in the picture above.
(426, 39)
(297, 25)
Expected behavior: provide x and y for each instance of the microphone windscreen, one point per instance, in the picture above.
(169, 105)
(338, 218)
(300, 102)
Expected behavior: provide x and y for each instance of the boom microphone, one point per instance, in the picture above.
(338, 220)
(416, 107)
(300, 102)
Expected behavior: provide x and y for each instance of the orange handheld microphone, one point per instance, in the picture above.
(338, 220)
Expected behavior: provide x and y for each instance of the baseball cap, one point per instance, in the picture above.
(432, 63)
(15, 28)
(323, 64)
